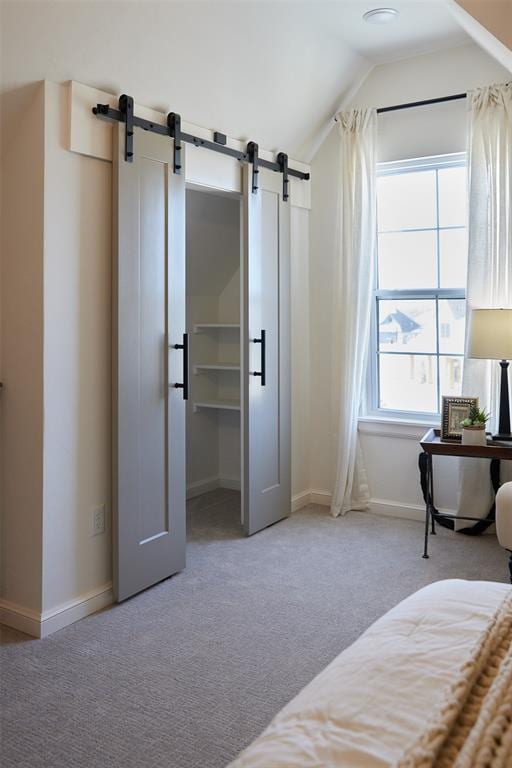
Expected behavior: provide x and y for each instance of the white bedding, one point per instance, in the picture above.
(373, 701)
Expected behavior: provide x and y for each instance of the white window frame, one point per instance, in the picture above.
(371, 410)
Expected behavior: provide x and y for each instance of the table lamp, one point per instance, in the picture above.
(490, 338)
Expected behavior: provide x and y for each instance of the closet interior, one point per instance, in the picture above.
(213, 249)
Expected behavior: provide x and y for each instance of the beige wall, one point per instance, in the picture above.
(494, 15)
(391, 451)
(77, 362)
(21, 400)
(57, 299)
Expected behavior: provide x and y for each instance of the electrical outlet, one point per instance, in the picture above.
(98, 520)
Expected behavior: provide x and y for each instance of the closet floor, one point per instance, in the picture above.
(214, 515)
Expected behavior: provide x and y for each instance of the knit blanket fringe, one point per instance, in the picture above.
(473, 728)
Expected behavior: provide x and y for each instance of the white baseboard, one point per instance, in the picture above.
(47, 622)
(232, 483)
(202, 486)
(210, 483)
(404, 511)
(20, 618)
(300, 500)
(321, 497)
(311, 496)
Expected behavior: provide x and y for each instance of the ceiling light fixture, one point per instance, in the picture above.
(381, 15)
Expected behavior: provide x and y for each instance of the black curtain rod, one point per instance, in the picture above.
(426, 102)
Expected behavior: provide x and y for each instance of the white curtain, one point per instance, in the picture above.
(489, 262)
(352, 298)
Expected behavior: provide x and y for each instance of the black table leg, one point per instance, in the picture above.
(510, 566)
(428, 507)
(431, 491)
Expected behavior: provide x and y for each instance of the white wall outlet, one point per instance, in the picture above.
(98, 520)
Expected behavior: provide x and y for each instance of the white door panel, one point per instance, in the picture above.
(266, 334)
(149, 413)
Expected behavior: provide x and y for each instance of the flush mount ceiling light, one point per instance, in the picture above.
(381, 15)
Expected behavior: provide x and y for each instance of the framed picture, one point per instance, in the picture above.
(455, 410)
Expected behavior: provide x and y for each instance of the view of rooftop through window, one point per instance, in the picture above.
(419, 309)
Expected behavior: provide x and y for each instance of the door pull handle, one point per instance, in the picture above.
(262, 373)
(184, 385)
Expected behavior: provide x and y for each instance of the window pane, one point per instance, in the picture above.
(406, 201)
(452, 326)
(408, 260)
(408, 383)
(450, 372)
(407, 325)
(452, 197)
(453, 258)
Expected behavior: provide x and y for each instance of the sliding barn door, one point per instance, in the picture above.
(149, 320)
(266, 353)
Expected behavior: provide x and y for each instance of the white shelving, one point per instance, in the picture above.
(198, 367)
(220, 405)
(198, 327)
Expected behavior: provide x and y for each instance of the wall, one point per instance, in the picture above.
(494, 15)
(21, 399)
(77, 364)
(391, 450)
(56, 299)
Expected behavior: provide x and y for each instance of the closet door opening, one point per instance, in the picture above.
(213, 420)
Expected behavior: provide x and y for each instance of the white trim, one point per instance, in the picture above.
(230, 482)
(202, 486)
(320, 497)
(300, 500)
(43, 624)
(481, 35)
(199, 487)
(388, 508)
(20, 618)
(393, 429)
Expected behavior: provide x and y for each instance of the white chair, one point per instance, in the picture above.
(504, 519)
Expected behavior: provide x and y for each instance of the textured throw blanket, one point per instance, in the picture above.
(474, 726)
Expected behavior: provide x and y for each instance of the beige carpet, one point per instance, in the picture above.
(187, 673)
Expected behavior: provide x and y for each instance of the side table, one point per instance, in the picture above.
(432, 445)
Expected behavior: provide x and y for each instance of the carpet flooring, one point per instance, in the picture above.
(187, 673)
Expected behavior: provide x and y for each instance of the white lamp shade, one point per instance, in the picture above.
(490, 334)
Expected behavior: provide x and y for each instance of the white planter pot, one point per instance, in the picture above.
(474, 436)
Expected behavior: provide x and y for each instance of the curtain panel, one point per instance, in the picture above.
(352, 298)
(489, 262)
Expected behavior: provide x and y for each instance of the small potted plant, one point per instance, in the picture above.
(473, 427)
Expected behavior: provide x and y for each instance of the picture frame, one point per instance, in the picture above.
(455, 410)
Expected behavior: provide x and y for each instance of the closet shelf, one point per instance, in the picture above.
(198, 367)
(198, 327)
(222, 405)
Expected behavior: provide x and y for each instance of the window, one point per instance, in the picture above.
(419, 307)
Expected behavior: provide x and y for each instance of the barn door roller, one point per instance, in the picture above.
(125, 114)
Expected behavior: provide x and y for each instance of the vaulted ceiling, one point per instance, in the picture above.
(268, 71)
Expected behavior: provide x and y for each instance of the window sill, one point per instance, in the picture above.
(385, 426)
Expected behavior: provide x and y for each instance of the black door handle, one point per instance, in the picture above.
(184, 347)
(261, 373)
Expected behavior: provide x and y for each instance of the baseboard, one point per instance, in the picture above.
(233, 483)
(403, 511)
(45, 623)
(210, 483)
(20, 618)
(202, 486)
(320, 497)
(301, 500)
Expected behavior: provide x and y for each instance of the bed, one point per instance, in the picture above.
(411, 690)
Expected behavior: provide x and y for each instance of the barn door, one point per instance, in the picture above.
(266, 353)
(149, 348)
